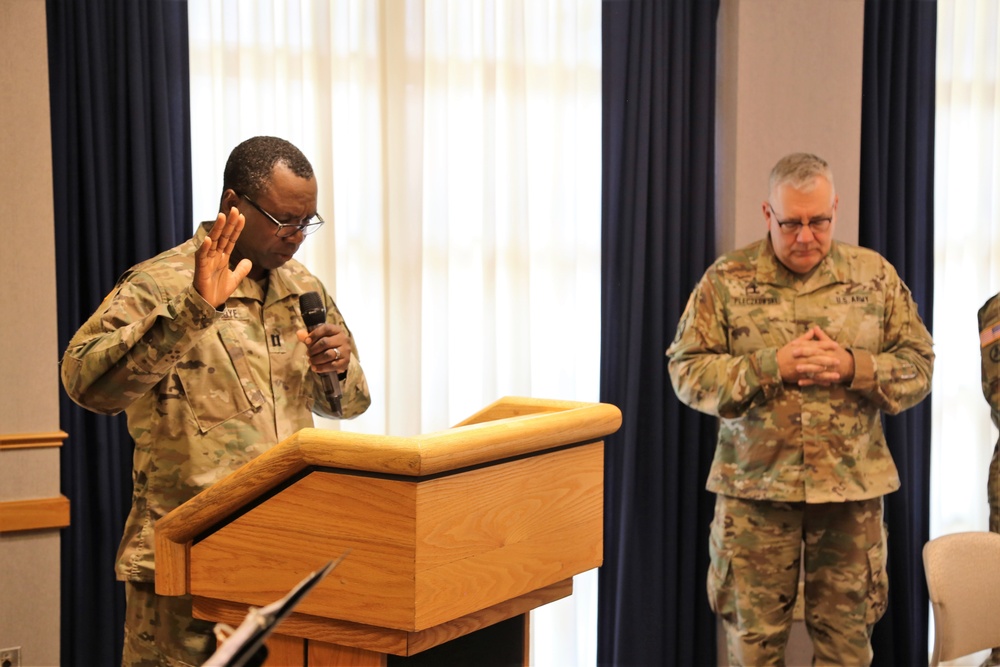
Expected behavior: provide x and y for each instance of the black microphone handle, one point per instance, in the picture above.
(331, 386)
(314, 315)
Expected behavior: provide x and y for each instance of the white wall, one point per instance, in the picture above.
(29, 398)
(789, 80)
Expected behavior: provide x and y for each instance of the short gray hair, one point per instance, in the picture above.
(799, 169)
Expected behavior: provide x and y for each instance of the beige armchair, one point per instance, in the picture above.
(963, 581)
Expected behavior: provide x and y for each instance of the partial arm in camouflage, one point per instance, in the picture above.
(131, 342)
(899, 376)
(989, 349)
(704, 374)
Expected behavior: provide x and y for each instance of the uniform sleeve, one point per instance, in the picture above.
(131, 341)
(899, 376)
(356, 397)
(704, 373)
(989, 318)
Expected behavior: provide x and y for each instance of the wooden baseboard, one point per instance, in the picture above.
(34, 514)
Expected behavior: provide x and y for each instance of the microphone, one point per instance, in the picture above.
(314, 314)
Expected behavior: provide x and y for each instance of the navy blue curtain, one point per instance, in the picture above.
(896, 218)
(121, 160)
(658, 238)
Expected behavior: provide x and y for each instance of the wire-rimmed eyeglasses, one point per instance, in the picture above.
(790, 227)
(306, 225)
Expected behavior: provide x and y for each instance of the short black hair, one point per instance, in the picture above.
(248, 169)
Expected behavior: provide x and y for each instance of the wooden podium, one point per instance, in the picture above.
(454, 534)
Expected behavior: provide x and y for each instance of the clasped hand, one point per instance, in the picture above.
(815, 359)
(329, 348)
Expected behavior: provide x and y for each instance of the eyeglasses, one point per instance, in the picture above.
(790, 227)
(306, 225)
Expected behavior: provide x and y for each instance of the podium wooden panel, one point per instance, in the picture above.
(448, 532)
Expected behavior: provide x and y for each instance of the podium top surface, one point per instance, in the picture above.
(510, 427)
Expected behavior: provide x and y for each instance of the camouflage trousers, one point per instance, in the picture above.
(160, 631)
(755, 550)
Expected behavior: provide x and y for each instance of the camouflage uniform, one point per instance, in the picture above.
(989, 326)
(989, 336)
(161, 632)
(790, 460)
(205, 390)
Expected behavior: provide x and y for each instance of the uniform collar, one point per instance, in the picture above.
(770, 271)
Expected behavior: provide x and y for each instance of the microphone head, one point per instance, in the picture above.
(312, 309)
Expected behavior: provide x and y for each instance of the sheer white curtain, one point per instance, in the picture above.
(967, 256)
(457, 148)
(966, 259)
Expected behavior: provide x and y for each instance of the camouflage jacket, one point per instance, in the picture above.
(779, 441)
(989, 337)
(204, 390)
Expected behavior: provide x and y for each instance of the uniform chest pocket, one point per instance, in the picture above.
(862, 325)
(754, 328)
(218, 384)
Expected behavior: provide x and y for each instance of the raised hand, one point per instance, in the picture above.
(213, 278)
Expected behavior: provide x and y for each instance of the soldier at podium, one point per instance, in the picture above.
(204, 348)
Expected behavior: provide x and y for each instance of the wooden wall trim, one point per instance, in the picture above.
(31, 440)
(34, 514)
